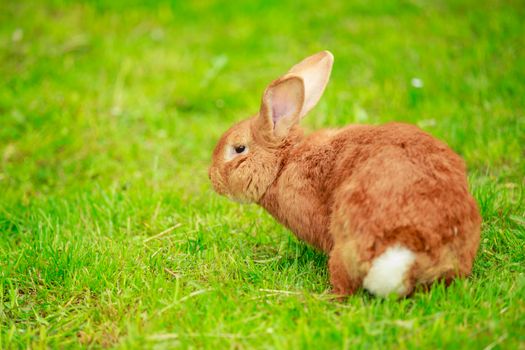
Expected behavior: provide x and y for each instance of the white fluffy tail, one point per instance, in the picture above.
(387, 274)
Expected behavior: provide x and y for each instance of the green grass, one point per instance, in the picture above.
(108, 116)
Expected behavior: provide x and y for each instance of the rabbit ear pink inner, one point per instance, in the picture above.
(282, 104)
(286, 100)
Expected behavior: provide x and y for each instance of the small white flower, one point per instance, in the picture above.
(417, 83)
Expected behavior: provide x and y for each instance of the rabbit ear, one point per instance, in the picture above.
(281, 106)
(315, 72)
(290, 97)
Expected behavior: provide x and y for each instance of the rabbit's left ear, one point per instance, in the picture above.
(287, 100)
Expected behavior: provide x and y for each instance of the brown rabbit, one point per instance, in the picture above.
(389, 204)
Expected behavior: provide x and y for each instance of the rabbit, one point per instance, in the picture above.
(389, 204)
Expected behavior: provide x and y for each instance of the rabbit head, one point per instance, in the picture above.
(249, 156)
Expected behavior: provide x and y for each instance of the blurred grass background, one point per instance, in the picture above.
(109, 111)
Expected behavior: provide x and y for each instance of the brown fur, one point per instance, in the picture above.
(356, 191)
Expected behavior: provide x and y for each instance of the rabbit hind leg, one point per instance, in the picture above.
(344, 281)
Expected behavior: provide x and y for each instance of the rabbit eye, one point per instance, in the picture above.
(240, 149)
(234, 151)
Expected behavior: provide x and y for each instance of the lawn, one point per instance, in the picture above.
(111, 235)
